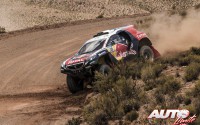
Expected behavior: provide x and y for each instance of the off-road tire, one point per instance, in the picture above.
(147, 53)
(104, 69)
(74, 84)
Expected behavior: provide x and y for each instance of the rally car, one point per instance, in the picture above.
(103, 51)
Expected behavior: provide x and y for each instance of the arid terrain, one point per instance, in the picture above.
(32, 89)
(20, 14)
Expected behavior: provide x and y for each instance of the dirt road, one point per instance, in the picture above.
(32, 89)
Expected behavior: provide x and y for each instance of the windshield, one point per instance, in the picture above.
(92, 46)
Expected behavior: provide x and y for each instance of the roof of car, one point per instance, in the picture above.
(107, 33)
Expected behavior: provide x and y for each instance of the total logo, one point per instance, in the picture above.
(182, 116)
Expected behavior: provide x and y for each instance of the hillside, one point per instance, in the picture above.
(20, 14)
(133, 90)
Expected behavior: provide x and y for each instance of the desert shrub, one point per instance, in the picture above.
(196, 105)
(185, 61)
(128, 70)
(74, 121)
(179, 97)
(100, 16)
(192, 72)
(167, 86)
(172, 104)
(170, 60)
(2, 30)
(103, 83)
(196, 90)
(149, 85)
(100, 118)
(195, 50)
(183, 58)
(135, 70)
(187, 101)
(183, 13)
(195, 58)
(159, 96)
(171, 85)
(127, 106)
(151, 71)
(154, 83)
(118, 95)
(131, 116)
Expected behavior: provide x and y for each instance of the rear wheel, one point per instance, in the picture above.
(74, 84)
(147, 53)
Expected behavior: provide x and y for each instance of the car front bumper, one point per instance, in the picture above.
(80, 73)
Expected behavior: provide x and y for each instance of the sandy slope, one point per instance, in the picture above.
(32, 87)
(20, 14)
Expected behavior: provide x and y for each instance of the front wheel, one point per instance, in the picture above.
(74, 84)
(147, 53)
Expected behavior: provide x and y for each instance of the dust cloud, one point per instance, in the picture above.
(176, 32)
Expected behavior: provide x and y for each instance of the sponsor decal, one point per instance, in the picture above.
(126, 53)
(141, 35)
(75, 61)
(181, 116)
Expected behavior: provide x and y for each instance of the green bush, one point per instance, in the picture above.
(151, 71)
(195, 51)
(183, 58)
(128, 70)
(100, 118)
(166, 86)
(103, 83)
(170, 86)
(192, 72)
(119, 95)
(170, 60)
(185, 61)
(149, 85)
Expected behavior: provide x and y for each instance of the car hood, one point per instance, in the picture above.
(77, 59)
